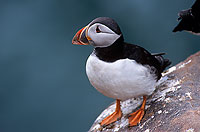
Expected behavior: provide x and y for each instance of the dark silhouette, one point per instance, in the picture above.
(190, 19)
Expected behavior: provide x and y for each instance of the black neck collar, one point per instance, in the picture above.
(112, 52)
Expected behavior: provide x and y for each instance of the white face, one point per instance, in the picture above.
(101, 35)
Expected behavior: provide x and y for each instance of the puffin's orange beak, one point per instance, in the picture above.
(81, 37)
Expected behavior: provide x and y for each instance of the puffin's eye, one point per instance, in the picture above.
(98, 30)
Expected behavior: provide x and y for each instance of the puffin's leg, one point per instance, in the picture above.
(114, 116)
(136, 117)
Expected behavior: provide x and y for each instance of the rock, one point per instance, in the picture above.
(173, 107)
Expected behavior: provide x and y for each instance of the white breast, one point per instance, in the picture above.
(122, 79)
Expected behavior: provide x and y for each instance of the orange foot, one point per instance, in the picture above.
(114, 116)
(136, 117)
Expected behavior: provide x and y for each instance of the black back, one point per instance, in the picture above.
(122, 50)
(190, 19)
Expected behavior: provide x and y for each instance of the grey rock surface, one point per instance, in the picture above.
(173, 107)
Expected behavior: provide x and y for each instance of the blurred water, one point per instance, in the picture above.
(43, 85)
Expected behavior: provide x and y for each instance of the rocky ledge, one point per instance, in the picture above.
(173, 107)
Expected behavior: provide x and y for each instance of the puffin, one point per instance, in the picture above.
(190, 19)
(118, 69)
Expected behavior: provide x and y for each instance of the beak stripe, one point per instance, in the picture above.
(83, 36)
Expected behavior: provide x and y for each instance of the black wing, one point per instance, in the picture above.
(122, 50)
(142, 56)
(190, 19)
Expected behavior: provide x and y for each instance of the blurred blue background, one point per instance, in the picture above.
(43, 85)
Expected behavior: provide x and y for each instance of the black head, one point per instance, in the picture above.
(109, 22)
(101, 32)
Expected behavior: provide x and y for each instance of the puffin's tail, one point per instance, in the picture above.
(163, 62)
